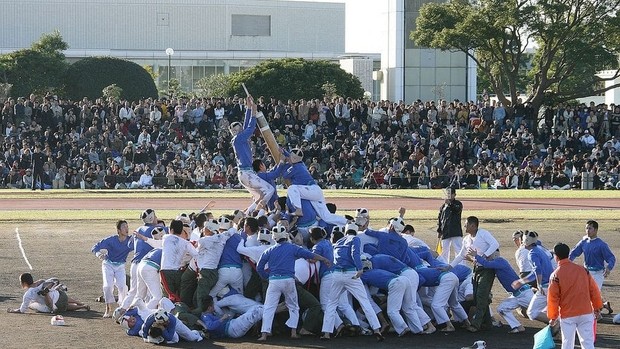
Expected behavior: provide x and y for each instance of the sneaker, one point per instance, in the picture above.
(607, 305)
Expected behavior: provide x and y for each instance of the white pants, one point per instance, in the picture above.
(414, 282)
(345, 281)
(456, 243)
(538, 305)
(343, 302)
(185, 333)
(304, 270)
(232, 276)
(511, 303)
(258, 187)
(133, 286)
(149, 285)
(237, 303)
(445, 295)
(276, 288)
(598, 277)
(238, 327)
(398, 290)
(314, 194)
(583, 325)
(113, 275)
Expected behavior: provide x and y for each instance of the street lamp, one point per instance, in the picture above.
(169, 52)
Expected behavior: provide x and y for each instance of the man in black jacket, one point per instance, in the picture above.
(449, 229)
(38, 160)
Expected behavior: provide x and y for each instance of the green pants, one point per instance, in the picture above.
(62, 302)
(483, 283)
(171, 283)
(188, 287)
(206, 281)
(254, 286)
(310, 307)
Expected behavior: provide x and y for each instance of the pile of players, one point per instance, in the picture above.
(224, 277)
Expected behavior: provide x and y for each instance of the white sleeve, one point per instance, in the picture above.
(493, 244)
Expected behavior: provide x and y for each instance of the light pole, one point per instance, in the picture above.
(169, 52)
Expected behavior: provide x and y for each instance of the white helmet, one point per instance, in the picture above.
(118, 314)
(148, 216)
(264, 235)
(362, 216)
(366, 261)
(212, 225)
(161, 316)
(398, 223)
(224, 222)
(234, 124)
(351, 226)
(297, 155)
(279, 232)
(338, 229)
(158, 233)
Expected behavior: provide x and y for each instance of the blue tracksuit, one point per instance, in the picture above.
(347, 253)
(503, 270)
(541, 265)
(241, 142)
(325, 249)
(167, 332)
(281, 259)
(388, 263)
(117, 250)
(230, 257)
(298, 174)
(135, 330)
(216, 327)
(596, 253)
(141, 248)
(154, 258)
(378, 278)
(390, 243)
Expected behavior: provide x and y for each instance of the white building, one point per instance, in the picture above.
(207, 36)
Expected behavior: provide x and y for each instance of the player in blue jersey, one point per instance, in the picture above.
(303, 186)
(541, 270)
(597, 256)
(113, 252)
(260, 189)
(281, 275)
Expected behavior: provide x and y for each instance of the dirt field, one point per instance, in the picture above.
(62, 249)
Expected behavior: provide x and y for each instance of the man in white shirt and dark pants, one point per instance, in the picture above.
(485, 245)
(174, 248)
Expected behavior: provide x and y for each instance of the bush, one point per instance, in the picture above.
(89, 76)
(295, 78)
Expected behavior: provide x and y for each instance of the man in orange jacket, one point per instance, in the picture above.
(574, 298)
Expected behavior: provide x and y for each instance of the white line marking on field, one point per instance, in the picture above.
(19, 241)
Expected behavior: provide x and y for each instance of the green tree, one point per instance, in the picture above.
(574, 40)
(215, 85)
(295, 78)
(36, 69)
(89, 76)
(112, 91)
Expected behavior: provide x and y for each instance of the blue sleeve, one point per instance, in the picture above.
(356, 253)
(273, 174)
(609, 257)
(374, 234)
(98, 246)
(248, 117)
(492, 264)
(168, 332)
(577, 251)
(146, 326)
(260, 267)
(211, 321)
(303, 253)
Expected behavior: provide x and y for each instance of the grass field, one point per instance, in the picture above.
(57, 242)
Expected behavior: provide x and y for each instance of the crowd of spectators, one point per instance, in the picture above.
(348, 143)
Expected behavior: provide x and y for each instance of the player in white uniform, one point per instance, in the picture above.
(45, 296)
(149, 286)
(113, 252)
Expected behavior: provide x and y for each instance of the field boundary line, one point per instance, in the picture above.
(21, 247)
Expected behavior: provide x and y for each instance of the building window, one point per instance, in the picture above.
(251, 25)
